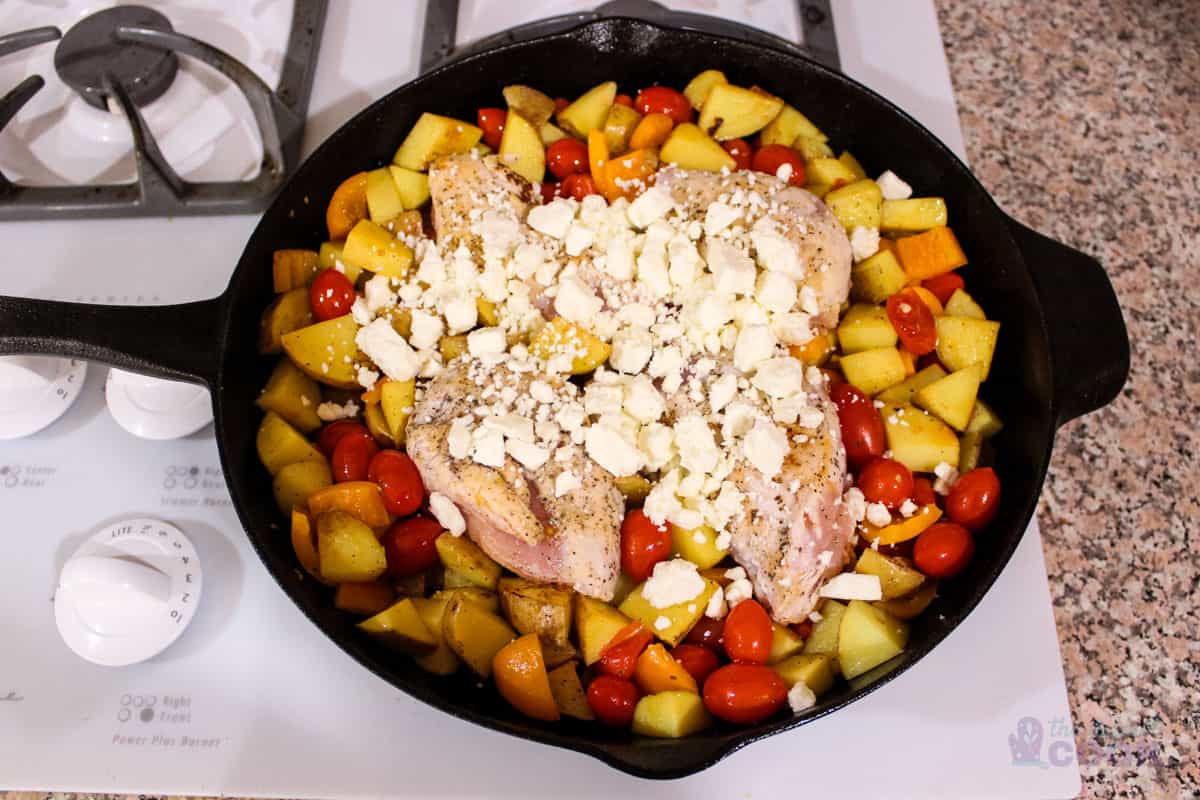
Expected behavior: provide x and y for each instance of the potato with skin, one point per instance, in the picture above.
(824, 637)
(785, 643)
(681, 616)
(589, 111)
(490, 601)
(963, 341)
(789, 125)
(596, 623)
(289, 312)
(292, 395)
(902, 393)
(537, 608)
(984, 420)
(432, 136)
(670, 715)
(377, 425)
(441, 660)
(568, 691)
(397, 400)
(952, 398)
(412, 187)
(291, 269)
(372, 247)
(321, 350)
(460, 554)
(295, 482)
(876, 278)
(383, 198)
(689, 147)
(918, 440)
(521, 149)
(867, 637)
(857, 204)
(698, 87)
(347, 549)
(279, 444)
(815, 670)
(732, 111)
(475, 634)
(619, 126)
(400, 627)
(535, 106)
(910, 605)
(634, 488)
(897, 577)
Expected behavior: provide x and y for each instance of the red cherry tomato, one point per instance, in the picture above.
(332, 433)
(560, 103)
(741, 151)
(623, 100)
(698, 660)
(886, 481)
(399, 482)
(944, 285)
(566, 157)
(974, 498)
(923, 493)
(619, 657)
(913, 321)
(492, 122)
(943, 549)
(351, 457)
(748, 633)
(803, 629)
(744, 693)
(410, 547)
(863, 434)
(330, 295)
(550, 190)
(664, 100)
(612, 700)
(708, 632)
(579, 186)
(643, 544)
(771, 157)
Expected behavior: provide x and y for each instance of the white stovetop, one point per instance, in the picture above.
(252, 700)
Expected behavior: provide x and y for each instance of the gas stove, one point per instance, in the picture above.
(249, 699)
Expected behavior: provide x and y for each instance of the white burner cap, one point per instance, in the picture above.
(35, 391)
(154, 408)
(128, 592)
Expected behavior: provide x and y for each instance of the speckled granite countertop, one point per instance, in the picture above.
(1082, 117)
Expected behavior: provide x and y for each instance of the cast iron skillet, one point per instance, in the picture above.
(1063, 347)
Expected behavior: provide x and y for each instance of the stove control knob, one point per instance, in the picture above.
(154, 408)
(128, 592)
(35, 391)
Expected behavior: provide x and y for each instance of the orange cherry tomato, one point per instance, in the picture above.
(944, 285)
(974, 498)
(913, 321)
(741, 151)
(708, 632)
(492, 121)
(351, 457)
(771, 157)
(579, 185)
(550, 190)
(330, 295)
(744, 693)
(332, 433)
(623, 100)
(863, 434)
(664, 100)
(560, 103)
(399, 482)
(943, 549)
(698, 660)
(566, 157)
(923, 493)
(619, 657)
(748, 633)
(410, 546)
(886, 481)
(643, 544)
(612, 700)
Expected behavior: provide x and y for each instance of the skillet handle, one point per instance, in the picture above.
(178, 342)
(1089, 344)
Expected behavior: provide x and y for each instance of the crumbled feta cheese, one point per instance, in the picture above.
(380, 343)
(657, 443)
(779, 377)
(619, 259)
(529, 455)
(459, 438)
(765, 447)
(733, 272)
(698, 451)
(878, 515)
(856, 504)
(367, 377)
(329, 411)
(489, 447)
(755, 345)
(447, 514)
(576, 302)
(718, 217)
(631, 350)
(461, 313)
(800, 697)
(378, 294)
(662, 622)
(721, 392)
(716, 608)
(864, 242)
(650, 206)
(775, 292)
(892, 187)
(808, 301)
(792, 328)
(553, 219)
(735, 573)
(908, 508)
(360, 313)
(773, 251)
(579, 238)
(609, 449)
(486, 340)
(673, 581)
(946, 475)
(565, 483)
(853, 586)
(426, 330)
(642, 401)
(737, 591)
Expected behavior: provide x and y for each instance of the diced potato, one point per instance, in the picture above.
(689, 147)
(460, 554)
(521, 149)
(682, 616)
(453, 579)
(279, 444)
(551, 133)
(589, 111)
(810, 149)
(347, 549)
(296, 481)
(730, 112)
(785, 642)
(400, 626)
(441, 660)
(910, 605)
(488, 313)
(558, 653)
(383, 198)
(520, 675)
(535, 106)
(698, 545)
(596, 623)
(487, 599)
(326, 351)
(625, 585)
(902, 393)
(377, 425)
(824, 637)
(451, 347)
(291, 269)
(814, 670)
(856, 205)
(962, 304)
(952, 398)
(474, 633)
(363, 599)
(868, 636)
(962, 342)
(304, 543)
(670, 715)
(347, 206)
(633, 487)
(619, 126)
(865, 327)
(435, 136)
(872, 371)
(970, 448)
(568, 691)
(913, 215)
(918, 440)
(560, 336)
(288, 312)
(789, 125)
(412, 187)
(411, 585)
(897, 577)
(397, 399)
(984, 420)
(360, 499)
(537, 608)
(698, 87)
(852, 164)
(292, 395)
(828, 171)
(875, 279)
(331, 253)
(373, 247)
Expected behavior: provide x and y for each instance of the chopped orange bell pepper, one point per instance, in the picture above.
(905, 529)
(366, 598)
(347, 206)
(360, 499)
(815, 351)
(909, 360)
(303, 544)
(597, 147)
(930, 299)
(520, 674)
(659, 671)
(651, 131)
(629, 175)
(930, 253)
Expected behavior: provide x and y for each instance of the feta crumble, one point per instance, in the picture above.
(447, 514)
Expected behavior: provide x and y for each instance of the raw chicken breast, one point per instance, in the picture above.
(461, 184)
